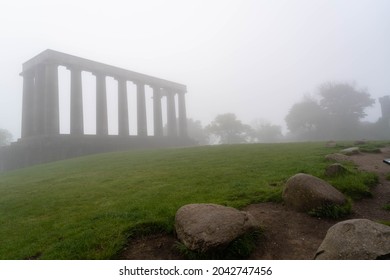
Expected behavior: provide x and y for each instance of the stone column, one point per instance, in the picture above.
(385, 106)
(171, 119)
(39, 100)
(28, 117)
(123, 112)
(182, 115)
(141, 110)
(76, 102)
(52, 118)
(101, 105)
(157, 113)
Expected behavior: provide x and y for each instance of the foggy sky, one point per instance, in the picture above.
(252, 58)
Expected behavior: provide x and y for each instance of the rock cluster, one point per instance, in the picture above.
(206, 227)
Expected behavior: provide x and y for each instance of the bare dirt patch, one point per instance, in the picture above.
(287, 234)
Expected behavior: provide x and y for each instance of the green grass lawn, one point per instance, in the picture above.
(86, 208)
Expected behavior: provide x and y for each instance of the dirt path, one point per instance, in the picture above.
(371, 208)
(287, 234)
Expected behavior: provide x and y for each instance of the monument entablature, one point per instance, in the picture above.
(71, 61)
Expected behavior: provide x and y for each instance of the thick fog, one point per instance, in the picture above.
(252, 58)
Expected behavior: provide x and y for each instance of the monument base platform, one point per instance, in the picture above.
(36, 150)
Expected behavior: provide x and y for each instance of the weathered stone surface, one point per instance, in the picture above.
(203, 227)
(337, 157)
(305, 192)
(350, 151)
(335, 169)
(357, 239)
(331, 144)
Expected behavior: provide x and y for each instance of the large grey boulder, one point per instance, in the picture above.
(357, 239)
(204, 227)
(305, 192)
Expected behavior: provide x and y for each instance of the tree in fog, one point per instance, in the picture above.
(344, 100)
(229, 130)
(197, 132)
(265, 132)
(336, 115)
(345, 106)
(5, 137)
(306, 120)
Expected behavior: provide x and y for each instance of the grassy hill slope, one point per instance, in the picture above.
(86, 208)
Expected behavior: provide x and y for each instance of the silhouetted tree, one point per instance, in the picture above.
(5, 137)
(345, 106)
(229, 130)
(194, 129)
(307, 120)
(344, 100)
(196, 132)
(336, 115)
(265, 132)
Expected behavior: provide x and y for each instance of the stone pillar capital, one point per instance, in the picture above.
(120, 78)
(75, 68)
(168, 92)
(138, 83)
(155, 87)
(98, 74)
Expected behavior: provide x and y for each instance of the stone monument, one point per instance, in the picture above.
(41, 140)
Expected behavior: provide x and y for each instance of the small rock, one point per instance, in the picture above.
(330, 144)
(305, 192)
(357, 239)
(337, 157)
(335, 169)
(350, 151)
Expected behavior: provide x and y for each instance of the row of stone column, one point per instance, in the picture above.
(40, 114)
